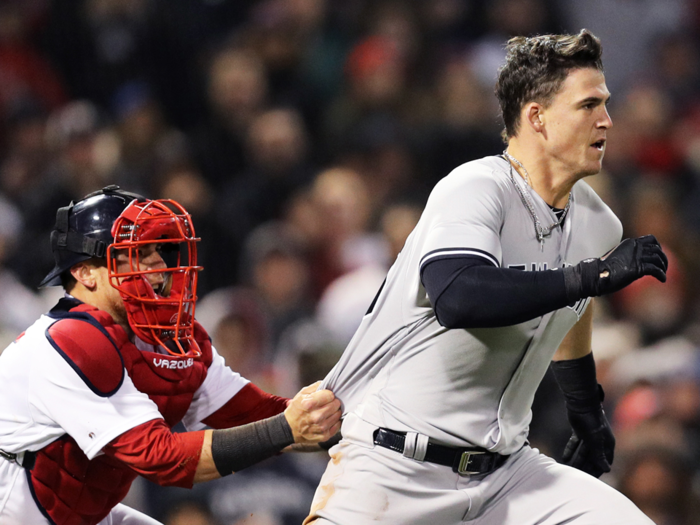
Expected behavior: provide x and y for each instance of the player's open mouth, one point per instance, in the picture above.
(599, 145)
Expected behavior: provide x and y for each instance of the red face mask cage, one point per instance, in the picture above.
(159, 297)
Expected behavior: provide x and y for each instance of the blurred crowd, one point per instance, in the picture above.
(304, 137)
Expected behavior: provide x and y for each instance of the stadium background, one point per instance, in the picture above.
(304, 137)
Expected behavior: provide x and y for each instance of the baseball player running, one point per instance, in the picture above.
(492, 286)
(89, 393)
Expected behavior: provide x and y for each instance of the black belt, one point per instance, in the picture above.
(464, 461)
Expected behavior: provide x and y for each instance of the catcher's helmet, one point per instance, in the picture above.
(83, 230)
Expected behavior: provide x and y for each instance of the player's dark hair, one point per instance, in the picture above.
(535, 69)
(68, 281)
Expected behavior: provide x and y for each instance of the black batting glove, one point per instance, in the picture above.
(627, 262)
(592, 444)
(591, 447)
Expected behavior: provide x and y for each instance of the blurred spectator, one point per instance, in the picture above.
(306, 352)
(274, 292)
(676, 68)
(665, 360)
(100, 44)
(505, 19)
(449, 23)
(277, 492)
(82, 153)
(20, 304)
(386, 157)
(236, 91)
(83, 147)
(377, 86)
(626, 30)
(464, 128)
(341, 206)
(26, 154)
(189, 513)
(346, 300)
(659, 481)
(141, 135)
(276, 152)
(26, 74)
(300, 54)
(236, 320)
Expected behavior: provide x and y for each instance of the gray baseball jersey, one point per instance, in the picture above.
(467, 387)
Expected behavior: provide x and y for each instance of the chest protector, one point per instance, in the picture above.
(69, 488)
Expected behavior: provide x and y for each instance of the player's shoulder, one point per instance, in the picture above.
(484, 174)
(595, 215)
(90, 351)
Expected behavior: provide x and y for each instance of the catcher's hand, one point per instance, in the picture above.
(627, 262)
(591, 447)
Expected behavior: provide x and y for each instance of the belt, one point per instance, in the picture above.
(464, 461)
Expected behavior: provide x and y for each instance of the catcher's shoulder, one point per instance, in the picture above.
(90, 352)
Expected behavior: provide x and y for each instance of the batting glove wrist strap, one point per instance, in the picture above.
(577, 381)
(627, 262)
(234, 449)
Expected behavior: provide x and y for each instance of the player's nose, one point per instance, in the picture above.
(605, 121)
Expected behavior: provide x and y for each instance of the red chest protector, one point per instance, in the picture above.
(69, 488)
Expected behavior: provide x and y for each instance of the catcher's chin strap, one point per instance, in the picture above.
(24, 459)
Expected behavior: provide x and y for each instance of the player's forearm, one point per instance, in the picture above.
(206, 470)
(574, 367)
(227, 451)
(470, 293)
(577, 342)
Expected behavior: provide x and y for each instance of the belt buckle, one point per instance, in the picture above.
(464, 461)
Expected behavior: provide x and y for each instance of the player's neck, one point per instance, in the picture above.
(550, 183)
(101, 302)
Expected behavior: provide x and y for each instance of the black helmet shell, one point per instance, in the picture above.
(83, 230)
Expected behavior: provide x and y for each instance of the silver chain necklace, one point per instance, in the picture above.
(525, 196)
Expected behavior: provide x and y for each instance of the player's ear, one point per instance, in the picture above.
(533, 116)
(84, 273)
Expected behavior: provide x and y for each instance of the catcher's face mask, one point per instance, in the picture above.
(153, 265)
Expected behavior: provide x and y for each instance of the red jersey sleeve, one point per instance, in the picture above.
(159, 455)
(248, 405)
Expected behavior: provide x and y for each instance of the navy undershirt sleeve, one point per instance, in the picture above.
(469, 292)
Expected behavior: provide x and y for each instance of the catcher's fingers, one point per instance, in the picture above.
(311, 416)
(323, 412)
(309, 389)
(322, 431)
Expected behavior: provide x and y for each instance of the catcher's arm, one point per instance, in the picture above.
(591, 447)
(312, 416)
